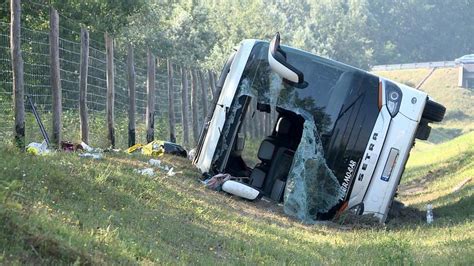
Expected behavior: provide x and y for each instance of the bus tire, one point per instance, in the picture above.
(434, 111)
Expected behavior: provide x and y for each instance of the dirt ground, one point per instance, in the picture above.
(399, 215)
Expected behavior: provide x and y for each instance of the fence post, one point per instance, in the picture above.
(55, 75)
(184, 105)
(194, 106)
(171, 101)
(263, 124)
(212, 82)
(109, 47)
(203, 94)
(150, 90)
(244, 127)
(17, 70)
(269, 123)
(251, 123)
(84, 68)
(131, 96)
(249, 120)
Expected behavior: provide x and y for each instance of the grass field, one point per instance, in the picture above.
(65, 209)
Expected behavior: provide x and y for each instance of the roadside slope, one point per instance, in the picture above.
(442, 175)
(64, 209)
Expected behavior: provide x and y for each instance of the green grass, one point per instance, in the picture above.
(438, 169)
(62, 209)
(442, 86)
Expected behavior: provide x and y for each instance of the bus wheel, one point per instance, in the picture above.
(434, 111)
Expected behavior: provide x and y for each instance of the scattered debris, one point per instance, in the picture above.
(145, 171)
(157, 163)
(94, 153)
(216, 181)
(96, 156)
(86, 147)
(158, 148)
(429, 214)
(241, 190)
(112, 150)
(170, 170)
(89, 148)
(36, 148)
(154, 162)
(192, 154)
(69, 146)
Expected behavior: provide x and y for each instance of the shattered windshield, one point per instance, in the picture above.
(322, 97)
(314, 185)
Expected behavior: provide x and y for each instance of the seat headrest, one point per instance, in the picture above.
(283, 126)
(266, 150)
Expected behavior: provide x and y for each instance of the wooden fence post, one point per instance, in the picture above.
(109, 47)
(269, 123)
(55, 76)
(17, 70)
(212, 82)
(131, 96)
(150, 89)
(261, 124)
(264, 124)
(194, 106)
(254, 125)
(184, 105)
(83, 71)
(203, 95)
(171, 101)
(248, 121)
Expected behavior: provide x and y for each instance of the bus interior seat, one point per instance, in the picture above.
(276, 155)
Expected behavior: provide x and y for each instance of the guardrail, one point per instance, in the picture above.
(438, 64)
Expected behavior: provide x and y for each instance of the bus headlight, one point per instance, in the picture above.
(393, 98)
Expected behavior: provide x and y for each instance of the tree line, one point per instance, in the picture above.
(357, 32)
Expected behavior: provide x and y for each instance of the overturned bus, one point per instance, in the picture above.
(341, 136)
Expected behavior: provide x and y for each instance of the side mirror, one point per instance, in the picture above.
(277, 61)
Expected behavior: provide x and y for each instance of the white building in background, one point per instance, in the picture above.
(466, 71)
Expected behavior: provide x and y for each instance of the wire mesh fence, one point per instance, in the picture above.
(35, 47)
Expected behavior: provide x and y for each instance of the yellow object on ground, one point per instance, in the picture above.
(36, 148)
(154, 148)
(134, 148)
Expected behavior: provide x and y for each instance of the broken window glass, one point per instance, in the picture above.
(326, 100)
(312, 187)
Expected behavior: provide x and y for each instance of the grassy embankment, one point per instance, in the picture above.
(64, 209)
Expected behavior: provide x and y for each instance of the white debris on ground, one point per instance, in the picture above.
(145, 171)
(94, 153)
(168, 169)
(192, 154)
(96, 156)
(38, 148)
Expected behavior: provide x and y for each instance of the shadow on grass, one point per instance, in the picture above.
(456, 207)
